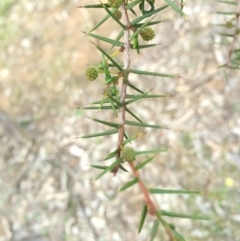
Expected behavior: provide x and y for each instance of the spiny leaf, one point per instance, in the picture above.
(150, 151)
(110, 58)
(97, 102)
(132, 123)
(142, 72)
(114, 100)
(107, 107)
(105, 133)
(133, 115)
(154, 229)
(119, 36)
(136, 98)
(94, 6)
(109, 168)
(111, 155)
(132, 4)
(227, 35)
(143, 217)
(129, 184)
(226, 13)
(148, 96)
(168, 191)
(102, 21)
(99, 166)
(231, 3)
(106, 122)
(180, 215)
(175, 7)
(124, 169)
(138, 25)
(139, 19)
(135, 88)
(142, 164)
(114, 17)
(108, 40)
(127, 140)
(178, 236)
(144, 46)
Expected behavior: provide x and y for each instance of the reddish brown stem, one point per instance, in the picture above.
(151, 206)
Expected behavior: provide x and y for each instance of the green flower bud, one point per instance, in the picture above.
(91, 73)
(115, 3)
(147, 34)
(128, 154)
(228, 24)
(118, 14)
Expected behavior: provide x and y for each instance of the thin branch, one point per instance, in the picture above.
(151, 206)
(126, 67)
(236, 32)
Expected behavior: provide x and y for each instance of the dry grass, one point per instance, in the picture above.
(45, 181)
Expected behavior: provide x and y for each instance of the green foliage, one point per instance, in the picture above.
(117, 99)
(230, 33)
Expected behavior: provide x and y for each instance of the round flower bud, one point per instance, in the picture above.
(228, 24)
(128, 154)
(115, 3)
(118, 14)
(147, 34)
(91, 73)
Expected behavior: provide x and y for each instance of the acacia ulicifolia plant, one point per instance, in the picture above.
(116, 82)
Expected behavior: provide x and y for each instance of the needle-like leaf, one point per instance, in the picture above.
(180, 215)
(150, 151)
(129, 184)
(105, 133)
(106, 122)
(142, 164)
(132, 123)
(133, 115)
(154, 230)
(143, 217)
(99, 167)
(168, 191)
(142, 72)
(109, 168)
(108, 40)
(110, 58)
(114, 17)
(139, 19)
(94, 6)
(175, 7)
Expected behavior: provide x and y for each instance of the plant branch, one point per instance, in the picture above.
(236, 32)
(126, 67)
(151, 206)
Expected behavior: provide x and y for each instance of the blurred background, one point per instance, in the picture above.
(46, 193)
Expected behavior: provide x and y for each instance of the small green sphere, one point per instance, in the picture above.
(228, 24)
(147, 34)
(115, 3)
(128, 154)
(118, 14)
(91, 73)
